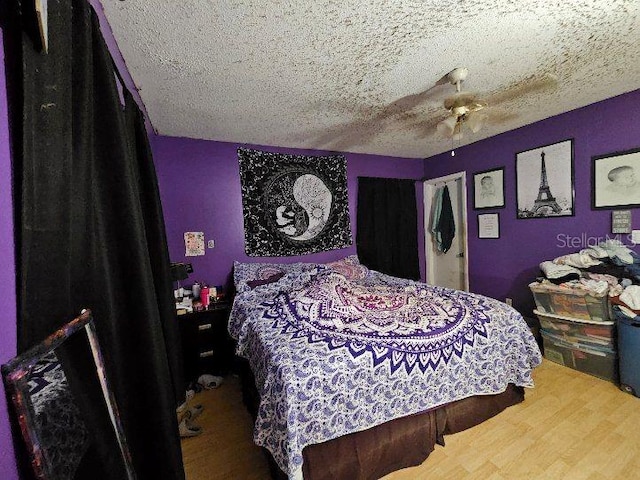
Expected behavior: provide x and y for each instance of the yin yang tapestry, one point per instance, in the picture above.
(293, 204)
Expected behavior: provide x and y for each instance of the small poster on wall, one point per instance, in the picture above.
(194, 244)
(621, 221)
(489, 225)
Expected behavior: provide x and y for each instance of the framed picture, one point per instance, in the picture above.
(488, 189)
(615, 180)
(489, 225)
(544, 181)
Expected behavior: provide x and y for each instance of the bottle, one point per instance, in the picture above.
(195, 289)
(204, 296)
(213, 294)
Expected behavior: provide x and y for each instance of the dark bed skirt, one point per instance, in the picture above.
(401, 443)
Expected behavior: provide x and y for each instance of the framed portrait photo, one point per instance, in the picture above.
(489, 225)
(615, 180)
(488, 189)
(544, 181)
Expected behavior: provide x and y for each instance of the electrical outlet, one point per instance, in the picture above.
(211, 244)
(508, 301)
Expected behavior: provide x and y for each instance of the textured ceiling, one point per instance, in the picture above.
(359, 76)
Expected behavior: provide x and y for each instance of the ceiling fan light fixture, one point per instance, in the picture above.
(475, 121)
(447, 126)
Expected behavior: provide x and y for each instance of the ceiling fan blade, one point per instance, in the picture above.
(444, 80)
(447, 126)
(531, 85)
(475, 121)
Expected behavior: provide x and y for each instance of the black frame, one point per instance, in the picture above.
(497, 215)
(608, 162)
(524, 159)
(477, 177)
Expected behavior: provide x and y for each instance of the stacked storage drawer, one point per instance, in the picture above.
(577, 330)
(571, 303)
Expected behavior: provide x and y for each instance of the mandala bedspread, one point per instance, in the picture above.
(332, 355)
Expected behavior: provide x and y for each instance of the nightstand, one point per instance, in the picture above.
(206, 344)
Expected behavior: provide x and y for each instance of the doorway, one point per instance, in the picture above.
(450, 269)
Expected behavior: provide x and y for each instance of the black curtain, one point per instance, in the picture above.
(387, 228)
(90, 228)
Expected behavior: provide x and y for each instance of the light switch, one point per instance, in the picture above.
(211, 244)
(635, 236)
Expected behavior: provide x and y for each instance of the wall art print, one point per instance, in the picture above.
(488, 189)
(293, 204)
(615, 180)
(544, 181)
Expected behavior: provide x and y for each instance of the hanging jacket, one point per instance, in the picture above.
(435, 217)
(446, 222)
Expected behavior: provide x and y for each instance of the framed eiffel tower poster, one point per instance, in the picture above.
(544, 181)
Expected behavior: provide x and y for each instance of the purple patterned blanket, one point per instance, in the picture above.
(333, 355)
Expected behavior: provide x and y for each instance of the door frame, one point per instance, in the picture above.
(429, 187)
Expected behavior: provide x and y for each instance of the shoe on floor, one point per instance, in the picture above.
(188, 429)
(210, 381)
(193, 412)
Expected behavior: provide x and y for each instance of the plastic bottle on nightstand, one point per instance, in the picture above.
(196, 290)
(204, 296)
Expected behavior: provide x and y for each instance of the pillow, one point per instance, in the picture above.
(273, 278)
(247, 272)
(350, 267)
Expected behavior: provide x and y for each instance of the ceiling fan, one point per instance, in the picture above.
(464, 107)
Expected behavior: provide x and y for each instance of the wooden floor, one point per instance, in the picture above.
(571, 426)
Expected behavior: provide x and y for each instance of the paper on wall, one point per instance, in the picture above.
(194, 244)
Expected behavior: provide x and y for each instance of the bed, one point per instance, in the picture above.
(358, 373)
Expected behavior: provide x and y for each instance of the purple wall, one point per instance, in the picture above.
(7, 276)
(200, 191)
(118, 59)
(504, 267)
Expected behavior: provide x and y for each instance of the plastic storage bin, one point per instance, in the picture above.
(572, 330)
(629, 352)
(599, 362)
(572, 303)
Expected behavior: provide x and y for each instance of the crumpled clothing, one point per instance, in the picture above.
(616, 290)
(631, 297)
(595, 252)
(578, 260)
(602, 277)
(599, 287)
(631, 270)
(555, 271)
(607, 267)
(616, 302)
(616, 249)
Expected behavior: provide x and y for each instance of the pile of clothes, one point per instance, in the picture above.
(610, 268)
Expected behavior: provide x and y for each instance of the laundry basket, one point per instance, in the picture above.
(628, 351)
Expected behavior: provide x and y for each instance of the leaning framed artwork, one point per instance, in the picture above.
(488, 189)
(615, 180)
(544, 181)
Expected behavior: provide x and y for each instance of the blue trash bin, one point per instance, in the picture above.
(629, 352)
